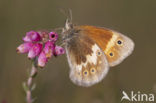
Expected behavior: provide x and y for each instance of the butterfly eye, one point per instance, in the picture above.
(119, 42)
(111, 54)
(92, 70)
(98, 53)
(85, 73)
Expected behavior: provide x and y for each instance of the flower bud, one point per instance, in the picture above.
(35, 50)
(32, 36)
(42, 59)
(24, 48)
(48, 49)
(59, 50)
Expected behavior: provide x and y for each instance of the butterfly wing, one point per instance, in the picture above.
(88, 63)
(115, 45)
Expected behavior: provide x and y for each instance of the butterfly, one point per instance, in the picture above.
(92, 50)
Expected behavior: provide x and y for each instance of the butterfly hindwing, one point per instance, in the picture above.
(116, 46)
(88, 63)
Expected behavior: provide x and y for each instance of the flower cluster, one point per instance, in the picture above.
(40, 45)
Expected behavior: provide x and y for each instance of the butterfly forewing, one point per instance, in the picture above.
(88, 63)
(115, 45)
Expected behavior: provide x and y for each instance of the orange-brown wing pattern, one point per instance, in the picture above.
(115, 45)
(88, 63)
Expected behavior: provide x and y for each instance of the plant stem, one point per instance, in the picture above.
(29, 83)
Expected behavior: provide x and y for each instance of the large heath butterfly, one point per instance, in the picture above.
(92, 50)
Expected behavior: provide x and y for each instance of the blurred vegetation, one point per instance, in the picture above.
(134, 18)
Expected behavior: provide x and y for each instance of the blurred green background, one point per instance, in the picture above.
(134, 18)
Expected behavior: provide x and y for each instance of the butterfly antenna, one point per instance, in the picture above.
(63, 12)
(67, 14)
(70, 15)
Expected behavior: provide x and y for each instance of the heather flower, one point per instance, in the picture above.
(40, 46)
(32, 36)
(24, 48)
(42, 59)
(49, 48)
(53, 36)
(59, 50)
(35, 50)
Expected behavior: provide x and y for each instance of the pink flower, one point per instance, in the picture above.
(53, 36)
(59, 50)
(24, 48)
(35, 50)
(41, 46)
(42, 59)
(32, 36)
(49, 48)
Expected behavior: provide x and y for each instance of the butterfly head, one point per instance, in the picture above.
(69, 30)
(68, 25)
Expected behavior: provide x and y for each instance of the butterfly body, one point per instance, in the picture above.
(91, 50)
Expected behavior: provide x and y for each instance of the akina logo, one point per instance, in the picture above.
(138, 96)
